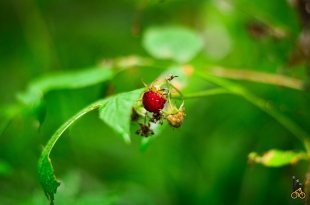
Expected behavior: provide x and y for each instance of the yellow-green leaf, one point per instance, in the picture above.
(277, 158)
(173, 42)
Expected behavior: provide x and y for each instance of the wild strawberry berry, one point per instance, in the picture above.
(153, 101)
(176, 120)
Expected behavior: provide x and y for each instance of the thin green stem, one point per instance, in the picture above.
(258, 77)
(204, 93)
(286, 122)
(289, 124)
(49, 146)
(179, 92)
(45, 168)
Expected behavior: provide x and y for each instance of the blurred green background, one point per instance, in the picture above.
(203, 162)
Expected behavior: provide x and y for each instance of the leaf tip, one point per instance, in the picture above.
(47, 178)
(127, 139)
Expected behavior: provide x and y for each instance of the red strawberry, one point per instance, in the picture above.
(153, 101)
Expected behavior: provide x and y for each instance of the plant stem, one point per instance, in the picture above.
(258, 77)
(286, 122)
(200, 94)
(45, 169)
(241, 74)
(67, 124)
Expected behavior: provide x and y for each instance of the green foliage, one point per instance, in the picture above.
(235, 89)
(5, 168)
(6, 115)
(187, 165)
(47, 178)
(45, 168)
(176, 43)
(71, 80)
(278, 158)
(116, 111)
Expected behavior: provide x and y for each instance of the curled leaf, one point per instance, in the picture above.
(47, 178)
(45, 169)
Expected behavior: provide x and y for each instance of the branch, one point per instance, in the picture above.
(286, 122)
(258, 77)
(204, 93)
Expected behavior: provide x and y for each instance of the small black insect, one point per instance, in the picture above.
(145, 130)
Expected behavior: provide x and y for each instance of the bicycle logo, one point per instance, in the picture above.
(297, 189)
(298, 193)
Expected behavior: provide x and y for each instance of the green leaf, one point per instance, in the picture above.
(45, 168)
(69, 80)
(277, 158)
(176, 43)
(47, 178)
(116, 112)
